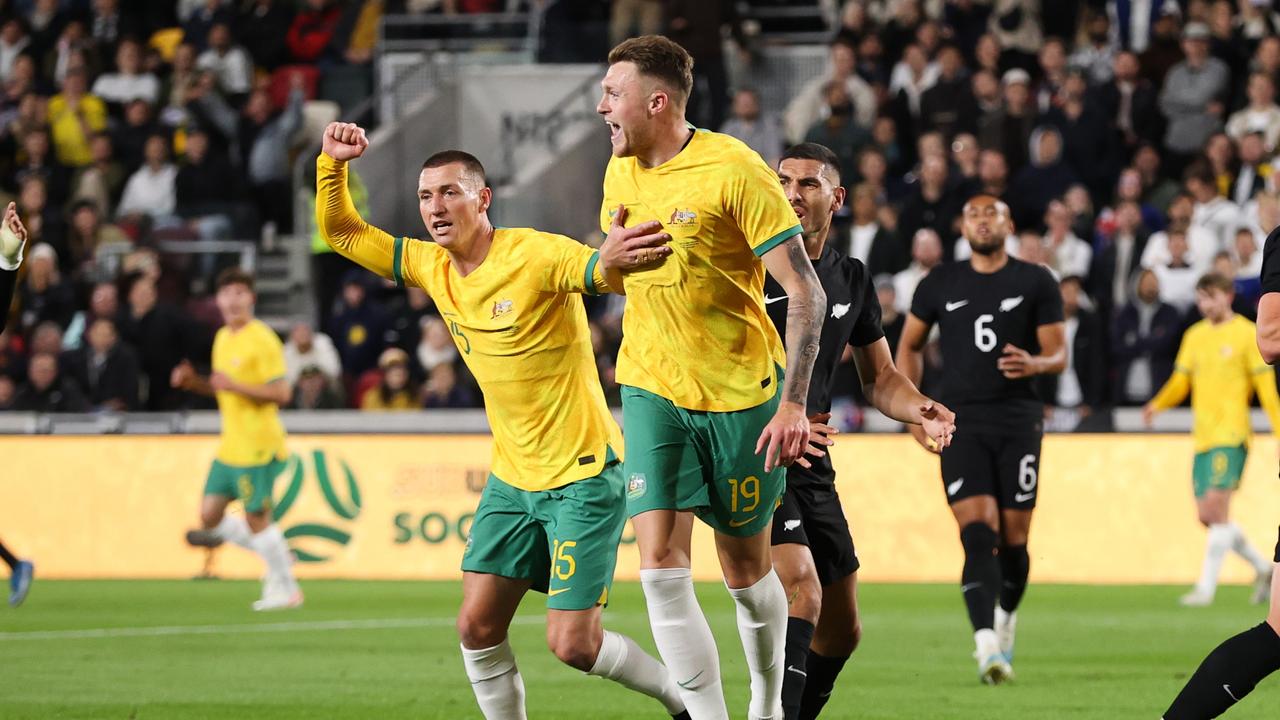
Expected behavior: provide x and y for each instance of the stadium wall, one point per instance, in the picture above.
(1112, 508)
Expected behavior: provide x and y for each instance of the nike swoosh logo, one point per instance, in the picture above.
(738, 524)
(956, 305)
(1023, 497)
(557, 591)
(688, 682)
(770, 300)
(954, 487)
(970, 586)
(796, 670)
(1229, 693)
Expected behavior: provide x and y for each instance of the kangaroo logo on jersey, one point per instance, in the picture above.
(500, 308)
(683, 217)
(1008, 304)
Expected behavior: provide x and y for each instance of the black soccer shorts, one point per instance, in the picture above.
(1005, 466)
(810, 515)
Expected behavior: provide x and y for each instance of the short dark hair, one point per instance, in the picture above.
(814, 151)
(1201, 171)
(658, 57)
(234, 276)
(465, 159)
(1215, 281)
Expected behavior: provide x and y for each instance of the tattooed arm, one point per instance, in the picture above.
(787, 434)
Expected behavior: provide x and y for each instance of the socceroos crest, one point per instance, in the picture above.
(635, 486)
(683, 217)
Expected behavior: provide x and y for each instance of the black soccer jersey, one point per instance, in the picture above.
(977, 314)
(1271, 263)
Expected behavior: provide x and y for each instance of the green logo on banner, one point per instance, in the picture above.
(342, 497)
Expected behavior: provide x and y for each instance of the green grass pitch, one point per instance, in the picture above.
(185, 650)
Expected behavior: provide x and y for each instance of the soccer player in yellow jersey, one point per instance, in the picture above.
(13, 238)
(704, 391)
(1220, 365)
(249, 384)
(552, 510)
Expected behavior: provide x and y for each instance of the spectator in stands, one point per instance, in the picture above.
(312, 29)
(700, 26)
(358, 326)
(993, 175)
(1088, 146)
(262, 27)
(129, 81)
(8, 392)
(926, 254)
(1178, 274)
(102, 181)
(1247, 254)
(129, 138)
(104, 302)
(95, 246)
(229, 62)
(314, 391)
(436, 346)
(442, 389)
(201, 19)
(408, 310)
(44, 223)
(45, 21)
(1069, 256)
(265, 142)
(1129, 102)
(1260, 115)
(1045, 178)
(870, 242)
(13, 40)
(1129, 188)
(1192, 97)
(151, 191)
(1254, 172)
(1097, 56)
(38, 161)
(308, 348)
(106, 369)
(1052, 60)
(1016, 24)
(911, 77)
(12, 361)
(163, 336)
(1083, 217)
(74, 116)
(1144, 342)
(357, 32)
(1202, 243)
(1216, 214)
(1219, 153)
(1031, 249)
(23, 79)
(109, 23)
(632, 18)
(46, 338)
(183, 75)
(206, 189)
(1116, 266)
(1008, 129)
(46, 391)
(1080, 387)
(1158, 191)
(394, 390)
(759, 130)
(935, 204)
(965, 156)
(840, 131)
(810, 103)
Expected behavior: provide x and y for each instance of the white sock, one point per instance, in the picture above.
(273, 548)
(762, 624)
(234, 529)
(1241, 545)
(496, 681)
(626, 663)
(684, 640)
(1218, 543)
(987, 642)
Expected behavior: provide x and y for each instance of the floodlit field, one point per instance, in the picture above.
(187, 650)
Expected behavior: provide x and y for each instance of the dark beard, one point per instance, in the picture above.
(987, 250)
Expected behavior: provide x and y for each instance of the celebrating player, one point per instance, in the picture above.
(1001, 323)
(1235, 667)
(1219, 364)
(248, 382)
(13, 237)
(813, 551)
(699, 366)
(552, 510)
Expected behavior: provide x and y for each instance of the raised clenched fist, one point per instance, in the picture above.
(344, 141)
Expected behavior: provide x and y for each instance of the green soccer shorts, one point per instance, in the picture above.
(705, 462)
(564, 540)
(251, 484)
(1218, 469)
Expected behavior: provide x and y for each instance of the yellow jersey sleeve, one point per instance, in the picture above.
(569, 266)
(345, 231)
(272, 352)
(754, 198)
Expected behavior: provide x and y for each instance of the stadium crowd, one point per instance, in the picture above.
(1133, 142)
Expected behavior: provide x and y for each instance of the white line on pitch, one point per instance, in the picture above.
(321, 625)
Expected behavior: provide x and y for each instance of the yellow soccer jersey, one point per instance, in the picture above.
(695, 329)
(251, 431)
(1221, 367)
(519, 325)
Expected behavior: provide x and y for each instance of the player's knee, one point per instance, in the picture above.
(574, 648)
(476, 632)
(663, 556)
(805, 595)
(978, 538)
